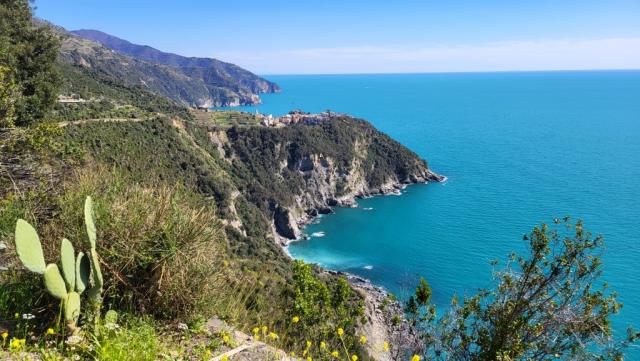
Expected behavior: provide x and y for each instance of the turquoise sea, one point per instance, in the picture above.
(518, 149)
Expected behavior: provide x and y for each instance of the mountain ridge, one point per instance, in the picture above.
(205, 82)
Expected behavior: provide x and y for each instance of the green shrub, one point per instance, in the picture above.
(162, 255)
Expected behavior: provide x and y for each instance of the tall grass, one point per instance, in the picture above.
(163, 251)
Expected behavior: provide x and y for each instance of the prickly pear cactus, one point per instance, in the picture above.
(68, 261)
(83, 271)
(54, 283)
(72, 308)
(79, 271)
(111, 317)
(29, 248)
(90, 222)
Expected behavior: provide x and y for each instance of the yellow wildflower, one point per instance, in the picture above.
(308, 343)
(17, 315)
(273, 336)
(50, 331)
(256, 330)
(305, 352)
(385, 346)
(363, 340)
(323, 345)
(309, 358)
(415, 358)
(224, 357)
(208, 354)
(335, 354)
(256, 337)
(226, 339)
(354, 358)
(295, 319)
(17, 343)
(340, 331)
(265, 329)
(5, 334)
(293, 354)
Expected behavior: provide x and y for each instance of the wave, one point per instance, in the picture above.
(318, 234)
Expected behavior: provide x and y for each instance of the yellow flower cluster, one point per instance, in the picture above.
(415, 358)
(17, 343)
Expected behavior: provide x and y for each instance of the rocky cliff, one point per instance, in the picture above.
(295, 173)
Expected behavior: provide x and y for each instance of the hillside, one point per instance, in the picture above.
(211, 71)
(192, 209)
(218, 186)
(216, 84)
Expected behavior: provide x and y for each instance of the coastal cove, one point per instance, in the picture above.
(518, 149)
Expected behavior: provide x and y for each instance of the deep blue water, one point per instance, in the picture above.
(518, 149)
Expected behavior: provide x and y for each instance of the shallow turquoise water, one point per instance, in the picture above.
(518, 149)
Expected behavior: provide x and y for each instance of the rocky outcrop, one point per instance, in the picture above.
(296, 172)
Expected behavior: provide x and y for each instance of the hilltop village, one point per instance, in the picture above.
(298, 117)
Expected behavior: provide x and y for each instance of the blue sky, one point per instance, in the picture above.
(371, 36)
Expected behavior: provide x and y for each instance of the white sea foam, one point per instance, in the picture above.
(368, 267)
(367, 209)
(317, 234)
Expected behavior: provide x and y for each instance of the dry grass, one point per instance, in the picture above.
(163, 252)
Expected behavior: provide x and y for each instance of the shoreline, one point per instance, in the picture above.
(391, 189)
(382, 309)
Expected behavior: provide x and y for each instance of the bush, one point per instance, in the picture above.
(162, 253)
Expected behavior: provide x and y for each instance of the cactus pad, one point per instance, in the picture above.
(68, 261)
(83, 271)
(72, 307)
(111, 317)
(90, 221)
(96, 277)
(28, 247)
(54, 282)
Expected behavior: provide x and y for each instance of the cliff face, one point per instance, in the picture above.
(297, 172)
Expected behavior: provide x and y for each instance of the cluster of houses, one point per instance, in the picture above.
(297, 117)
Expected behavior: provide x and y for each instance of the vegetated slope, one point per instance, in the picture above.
(213, 74)
(294, 173)
(182, 198)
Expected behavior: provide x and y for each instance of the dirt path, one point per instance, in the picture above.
(101, 120)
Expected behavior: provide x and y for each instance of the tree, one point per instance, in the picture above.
(8, 94)
(544, 306)
(29, 51)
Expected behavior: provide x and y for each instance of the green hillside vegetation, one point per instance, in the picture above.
(180, 234)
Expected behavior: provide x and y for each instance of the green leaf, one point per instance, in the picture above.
(83, 271)
(68, 260)
(29, 248)
(90, 221)
(54, 283)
